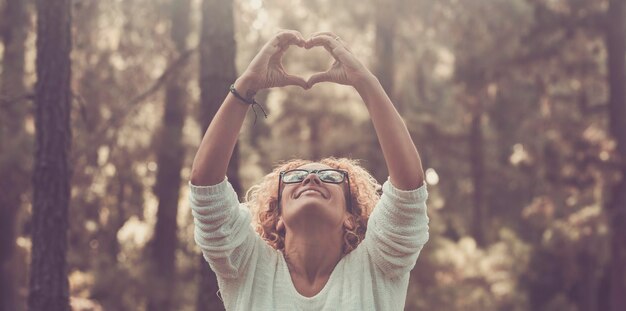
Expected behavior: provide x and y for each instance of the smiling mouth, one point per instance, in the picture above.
(310, 191)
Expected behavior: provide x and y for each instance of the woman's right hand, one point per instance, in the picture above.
(266, 69)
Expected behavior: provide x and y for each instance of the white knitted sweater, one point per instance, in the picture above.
(254, 276)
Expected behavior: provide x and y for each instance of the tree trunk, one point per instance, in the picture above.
(208, 297)
(217, 68)
(14, 169)
(217, 72)
(260, 131)
(476, 146)
(582, 292)
(616, 205)
(385, 34)
(383, 69)
(51, 178)
(169, 162)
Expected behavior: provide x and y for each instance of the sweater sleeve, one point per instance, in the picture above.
(223, 229)
(397, 229)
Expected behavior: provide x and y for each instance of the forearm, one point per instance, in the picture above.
(211, 160)
(401, 156)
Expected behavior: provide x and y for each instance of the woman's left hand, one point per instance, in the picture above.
(346, 69)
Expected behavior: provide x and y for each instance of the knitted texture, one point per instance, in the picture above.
(254, 276)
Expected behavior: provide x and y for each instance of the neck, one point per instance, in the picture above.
(313, 255)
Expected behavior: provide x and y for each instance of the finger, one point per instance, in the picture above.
(325, 33)
(297, 39)
(336, 49)
(342, 43)
(301, 41)
(323, 40)
(319, 77)
(281, 42)
(289, 37)
(328, 34)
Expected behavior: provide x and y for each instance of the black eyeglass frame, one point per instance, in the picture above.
(316, 172)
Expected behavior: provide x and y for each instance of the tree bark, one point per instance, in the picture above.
(217, 72)
(217, 68)
(170, 159)
(51, 179)
(385, 37)
(384, 70)
(13, 144)
(616, 205)
(209, 298)
(476, 145)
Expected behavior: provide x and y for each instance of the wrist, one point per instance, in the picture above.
(366, 83)
(245, 86)
(244, 90)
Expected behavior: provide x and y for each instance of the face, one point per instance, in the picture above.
(313, 203)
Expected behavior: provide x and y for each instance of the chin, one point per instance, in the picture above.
(312, 213)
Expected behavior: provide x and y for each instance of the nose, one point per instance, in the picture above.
(312, 178)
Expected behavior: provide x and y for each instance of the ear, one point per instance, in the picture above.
(347, 222)
(280, 225)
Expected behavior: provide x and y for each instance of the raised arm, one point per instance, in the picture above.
(265, 71)
(397, 229)
(401, 156)
(222, 224)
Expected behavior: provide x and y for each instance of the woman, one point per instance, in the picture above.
(312, 250)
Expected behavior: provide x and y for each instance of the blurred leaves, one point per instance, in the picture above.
(533, 69)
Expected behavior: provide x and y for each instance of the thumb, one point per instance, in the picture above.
(319, 77)
(294, 80)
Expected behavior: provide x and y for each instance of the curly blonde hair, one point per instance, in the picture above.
(364, 191)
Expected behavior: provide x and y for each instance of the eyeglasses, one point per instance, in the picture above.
(326, 175)
(331, 176)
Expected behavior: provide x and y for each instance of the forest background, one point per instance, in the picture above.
(518, 108)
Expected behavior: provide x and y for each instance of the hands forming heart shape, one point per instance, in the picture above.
(266, 69)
